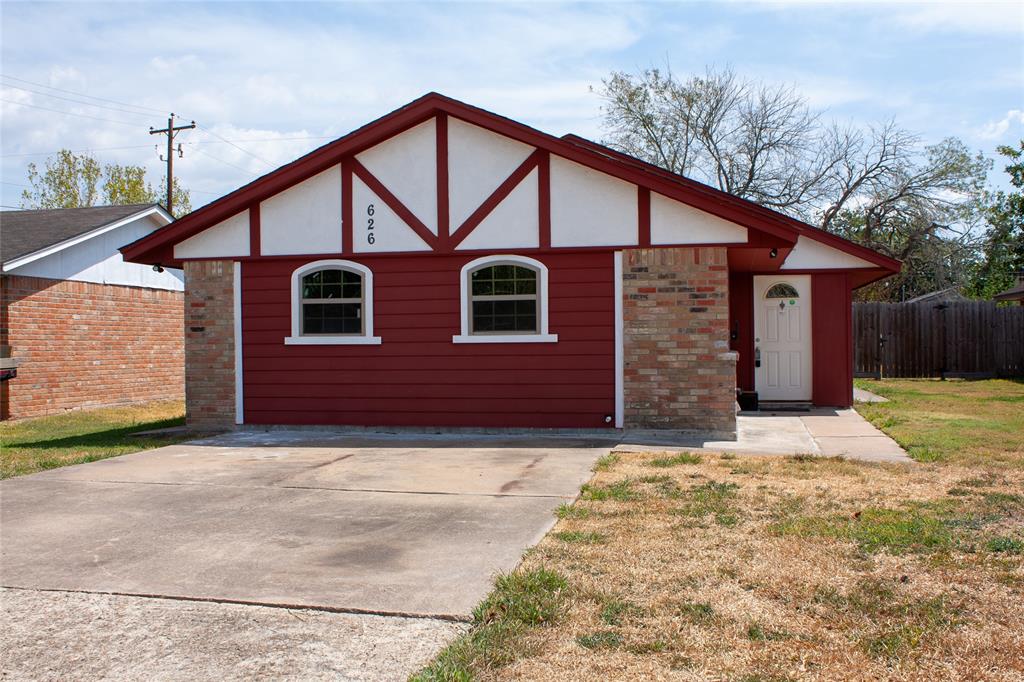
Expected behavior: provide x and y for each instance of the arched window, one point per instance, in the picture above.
(782, 290)
(504, 300)
(332, 303)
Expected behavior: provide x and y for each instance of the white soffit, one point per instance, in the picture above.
(590, 208)
(305, 218)
(673, 222)
(227, 238)
(809, 254)
(514, 223)
(407, 165)
(478, 162)
(387, 232)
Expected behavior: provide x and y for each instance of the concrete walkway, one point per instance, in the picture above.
(824, 432)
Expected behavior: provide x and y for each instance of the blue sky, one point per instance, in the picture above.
(280, 79)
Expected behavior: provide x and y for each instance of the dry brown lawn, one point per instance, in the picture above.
(752, 568)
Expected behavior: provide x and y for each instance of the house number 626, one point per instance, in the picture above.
(369, 224)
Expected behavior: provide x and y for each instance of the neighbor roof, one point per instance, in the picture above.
(26, 232)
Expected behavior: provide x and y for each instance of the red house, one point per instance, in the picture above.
(447, 267)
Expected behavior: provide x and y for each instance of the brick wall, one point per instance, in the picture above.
(209, 344)
(678, 371)
(81, 344)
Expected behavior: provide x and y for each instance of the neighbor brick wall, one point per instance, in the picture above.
(678, 371)
(209, 344)
(82, 344)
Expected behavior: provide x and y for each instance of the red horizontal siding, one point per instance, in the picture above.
(417, 376)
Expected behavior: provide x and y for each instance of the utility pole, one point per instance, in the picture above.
(171, 131)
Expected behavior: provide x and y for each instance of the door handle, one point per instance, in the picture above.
(757, 356)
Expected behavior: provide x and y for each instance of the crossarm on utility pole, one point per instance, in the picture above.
(171, 131)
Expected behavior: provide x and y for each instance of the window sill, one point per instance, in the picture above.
(505, 338)
(332, 340)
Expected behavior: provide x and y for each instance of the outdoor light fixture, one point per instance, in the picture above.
(774, 253)
(158, 268)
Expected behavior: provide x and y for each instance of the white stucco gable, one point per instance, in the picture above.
(809, 254)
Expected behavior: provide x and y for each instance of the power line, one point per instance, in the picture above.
(223, 139)
(76, 151)
(76, 101)
(68, 113)
(81, 94)
(227, 163)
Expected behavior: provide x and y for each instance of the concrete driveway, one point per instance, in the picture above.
(387, 525)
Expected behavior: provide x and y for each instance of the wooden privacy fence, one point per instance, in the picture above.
(929, 339)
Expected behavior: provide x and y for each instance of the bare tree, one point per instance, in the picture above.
(875, 185)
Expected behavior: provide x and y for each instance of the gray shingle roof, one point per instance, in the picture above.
(25, 232)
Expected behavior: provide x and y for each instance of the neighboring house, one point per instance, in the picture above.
(1014, 293)
(447, 267)
(948, 295)
(85, 328)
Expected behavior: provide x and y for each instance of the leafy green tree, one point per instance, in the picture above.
(69, 181)
(1003, 249)
(74, 181)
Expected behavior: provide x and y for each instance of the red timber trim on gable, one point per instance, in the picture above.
(544, 203)
(443, 219)
(643, 216)
(157, 247)
(499, 195)
(346, 207)
(254, 229)
(394, 204)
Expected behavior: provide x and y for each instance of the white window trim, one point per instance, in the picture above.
(542, 335)
(365, 339)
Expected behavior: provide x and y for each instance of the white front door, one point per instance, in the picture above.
(782, 337)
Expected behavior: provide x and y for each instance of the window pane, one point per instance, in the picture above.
(782, 290)
(482, 287)
(504, 280)
(332, 284)
(332, 318)
(504, 316)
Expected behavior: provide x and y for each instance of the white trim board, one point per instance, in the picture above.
(365, 339)
(67, 243)
(542, 335)
(620, 397)
(237, 307)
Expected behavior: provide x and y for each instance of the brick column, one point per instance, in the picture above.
(678, 370)
(209, 344)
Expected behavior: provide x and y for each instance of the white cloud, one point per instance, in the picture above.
(994, 130)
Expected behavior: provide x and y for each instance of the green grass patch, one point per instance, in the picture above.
(711, 498)
(620, 491)
(614, 611)
(606, 462)
(579, 537)
(675, 460)
(571, 511)
(874, 529)
(1004, 545)
(961, 422)
(600, 640)
(84, 436)
(520, 601)
(697, 612)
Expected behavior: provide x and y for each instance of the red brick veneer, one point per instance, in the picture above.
(210, 344)
(678, 371)
(82, 344)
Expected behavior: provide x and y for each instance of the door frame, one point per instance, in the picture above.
(759, 285)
